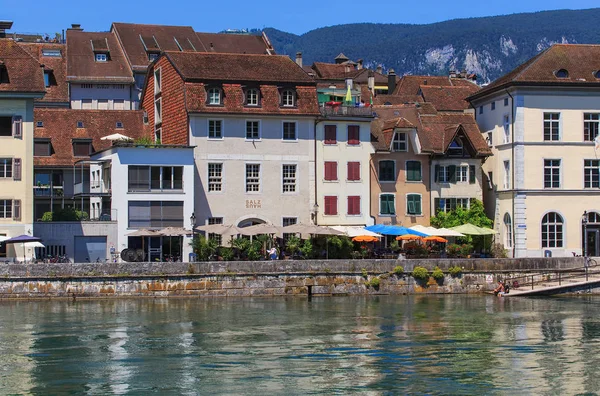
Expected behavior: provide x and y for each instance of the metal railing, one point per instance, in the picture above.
(347, 111)
(48, 191)
(561, 275)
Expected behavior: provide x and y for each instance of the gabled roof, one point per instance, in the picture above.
(25, 74)
(410, 85)
(234, 43)
(81, 61)
(60, 127)
(452, 98)
(391, 100)
(581, 61)
(58, 91)
(198, 66)
(334, 71)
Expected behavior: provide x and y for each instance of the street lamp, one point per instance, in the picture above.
(315, 212)
(584, 221)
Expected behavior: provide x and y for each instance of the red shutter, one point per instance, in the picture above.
(330, 134)
(353, 134)
(331, 205)
(327, 171)
(353, 170)
(354, 205)
(330, 170)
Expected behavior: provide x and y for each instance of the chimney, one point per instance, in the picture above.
(379, 69)
(452, 74)
(75, 26)
(299, 58)
(359, 64)
(371, 81)
(4, 26)
(391, 81)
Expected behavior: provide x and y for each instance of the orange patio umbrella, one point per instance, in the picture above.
(365, 238)
(408, 237)
(435, 239)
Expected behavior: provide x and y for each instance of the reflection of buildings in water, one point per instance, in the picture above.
(16, 349)
(119, 373)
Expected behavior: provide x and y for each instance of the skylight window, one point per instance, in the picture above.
(562, 73)
(101, 57)
(55, 53)
(119, 125)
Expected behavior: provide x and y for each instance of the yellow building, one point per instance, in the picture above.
(541, 120)
(21, 81)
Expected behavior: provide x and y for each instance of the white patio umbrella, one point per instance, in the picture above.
(116, 136)
(352, 231)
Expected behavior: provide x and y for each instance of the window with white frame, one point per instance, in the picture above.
(215, 177)
(289, 178)
(551, 173)
(552, 230)
(551, 127)
(158, 135)
(444, 174)
(506, 124)
(6, 209)
(101, 57)
(507, 231)
(215, 129)
(289, 131)
(288, 98)
(399, 142)
(218, 238)
(6, 168)
(591, 171)
(215, 220)
(505, 101)
(157, 81)
(506, 175)
(214, 96)
(449, 204)
(252, 130)
(591, 123)
(158, 111)
(288, 221)
(462, 173)
(413, 205)
(252, 177)
(252, 97)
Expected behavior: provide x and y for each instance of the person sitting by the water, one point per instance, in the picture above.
(500, 289)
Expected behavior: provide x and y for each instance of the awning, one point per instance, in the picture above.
(356, 231)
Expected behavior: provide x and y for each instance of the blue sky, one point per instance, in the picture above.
(294, 17)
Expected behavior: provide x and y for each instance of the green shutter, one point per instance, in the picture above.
(418, 205)
(383, 204)
(418, 176)
(411, 206)
(391, 205)
(472, 174)
(452, 173)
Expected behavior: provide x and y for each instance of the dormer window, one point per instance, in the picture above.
(46, 79)
(39, 124)
(119, 125)
(288, 98)
(456, 148)
(214, 96)
(399, 142)
(79, 124)
(152, 56)
(82, 148)
(252, 97)
(3, 74)
(101, 57)
(562, 73)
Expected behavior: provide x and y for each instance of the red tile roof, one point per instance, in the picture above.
(81, 62)
(396, 99)
(25, 74)
(58, 91)
(451, 98)
(234, 44)
(581, 61)
(334, 71)
(410, 85)
(60, 126)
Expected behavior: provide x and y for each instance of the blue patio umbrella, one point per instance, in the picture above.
(394, 230)
(23, 239)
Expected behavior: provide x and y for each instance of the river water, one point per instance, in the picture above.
(373, 345)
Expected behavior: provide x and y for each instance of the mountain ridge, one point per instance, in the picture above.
(488, 46)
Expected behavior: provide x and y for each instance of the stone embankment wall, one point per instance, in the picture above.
(260, 278)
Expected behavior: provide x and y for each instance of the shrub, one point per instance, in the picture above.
(253, 253)
(453, 250)
(455, 271)
(398, 270)
(292, 245)
(498, 251)
(395, 246)
(420, 273)
(466, 249)
(47, 216)
(374, 283)
(437, 274)
(226, 253)
(364, 272)
(204, 248)
(307, 249)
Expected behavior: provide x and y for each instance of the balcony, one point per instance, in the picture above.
(94, 188)
(48, 191)
(346, 111)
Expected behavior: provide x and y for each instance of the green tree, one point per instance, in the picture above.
(204, 248)
(459, 216)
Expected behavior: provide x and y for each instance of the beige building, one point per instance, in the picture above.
(541, 120)
(21, 82)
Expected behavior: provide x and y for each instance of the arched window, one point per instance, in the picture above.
(552, 230)
(507, 231)
(214, 96)
(562, 73)
(288, 98)
(593, 218)
(252, 97)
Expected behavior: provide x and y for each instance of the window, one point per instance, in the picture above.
(46, 79)
(86, 104)
(252, 177)
(252, 97)
(507, 231)
(480, 109)
(215, 130)
(331, 205)
(155, 178)
(215, 220)
(16, 209)
(289, 178)
(88, 86)
(39, 124)
(354, 205)
(158, 111)
(331, 171)
(55, 53)
(17, 127)
(215, 177)
(353, 135)
(82, 148)
(79, 124)
(155, 214)
(591, 121)
(399, 142)
(387, 204)
(387, 171)
(552, 230)
(102, 57)
(353, 170)
(413, 204)
(591, 170)
(252, 130)
(505, 101)
(413, 171)
(157, 81)
(462, 173)
(456, 148)
(562, 73)
(445, 173)
(288, 98)
(17, 169)
(552, 173)
(493, 106)
(330, 134)
(6, 208)
(6, 126)
(119, 125)
(152, 56)
(289, 131)
(551, 126)
(214, 96)
(288, 221)
(506, 175)
(118, 104)
(157, 135)
(6, 167)
(450, 204)
(506, 123)
(42, 148)
(215, 237)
